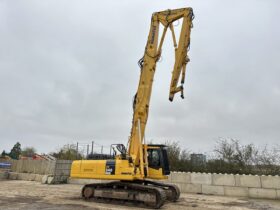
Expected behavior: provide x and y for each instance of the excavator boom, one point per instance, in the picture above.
(148, 67)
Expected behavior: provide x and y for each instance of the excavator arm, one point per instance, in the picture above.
(148, 67)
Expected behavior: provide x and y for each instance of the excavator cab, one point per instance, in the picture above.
(158, 159)
(158, 164)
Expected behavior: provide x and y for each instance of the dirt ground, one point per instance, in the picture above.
(27, 195)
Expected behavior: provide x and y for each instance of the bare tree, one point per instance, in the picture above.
(68, 152)
(28, 151)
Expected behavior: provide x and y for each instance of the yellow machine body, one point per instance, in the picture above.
(99, 169)
(116, 169)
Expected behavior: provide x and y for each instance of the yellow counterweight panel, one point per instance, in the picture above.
(88, 168)
(100, 169)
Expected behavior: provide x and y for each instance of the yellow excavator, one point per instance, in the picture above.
(135, 168)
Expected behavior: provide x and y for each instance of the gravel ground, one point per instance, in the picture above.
(27, 195)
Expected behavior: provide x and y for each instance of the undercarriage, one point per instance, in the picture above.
(151, 194)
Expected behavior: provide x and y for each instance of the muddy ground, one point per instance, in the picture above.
(27, 195)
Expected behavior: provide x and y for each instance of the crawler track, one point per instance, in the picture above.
(171, 190)
(151, 194)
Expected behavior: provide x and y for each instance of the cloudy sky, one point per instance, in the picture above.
(68, 72)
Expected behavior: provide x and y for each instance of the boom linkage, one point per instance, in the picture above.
(147, 64)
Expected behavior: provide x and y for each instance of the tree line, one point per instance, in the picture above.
(67, 152)
(228, 156)
(16, 152)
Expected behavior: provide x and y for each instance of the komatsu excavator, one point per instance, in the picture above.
(136, 166)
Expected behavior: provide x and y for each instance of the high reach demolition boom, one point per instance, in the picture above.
(148, 67)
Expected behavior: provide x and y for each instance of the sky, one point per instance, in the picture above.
(68, 73)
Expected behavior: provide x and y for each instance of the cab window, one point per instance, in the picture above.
(154, 158)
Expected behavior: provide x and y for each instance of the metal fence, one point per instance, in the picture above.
(33, 166)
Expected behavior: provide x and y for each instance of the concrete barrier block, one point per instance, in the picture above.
(50, 180)
(60, 179)
(223, 179)
(23, 176)
(262, 193)
(213, 190)
(13, 175)
(236, 191)
(38, 177)
(169, 177)
(278, 194)
(180, 177)
(19, 176)
(26, 176)
(31, 177)
(191, 188)
(45, 179)
(270, 182)
(247, 181)
(201, 178)
(3, 175)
